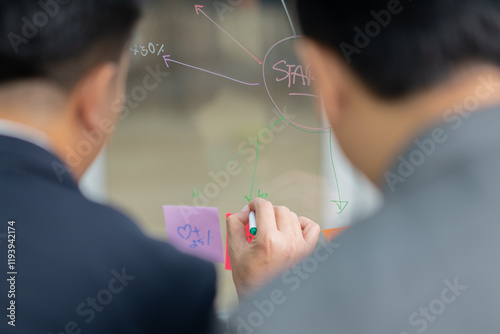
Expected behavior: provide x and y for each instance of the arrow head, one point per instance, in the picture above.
(248, 199)
(341, 205)
(166, 58)
(197, 8)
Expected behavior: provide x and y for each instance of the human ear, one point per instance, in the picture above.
(326, 70)
(94, 94)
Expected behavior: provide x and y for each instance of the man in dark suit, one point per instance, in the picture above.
(70, 265)
(412, 91)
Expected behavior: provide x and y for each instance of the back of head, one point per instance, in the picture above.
(398, 47)
(60, 40)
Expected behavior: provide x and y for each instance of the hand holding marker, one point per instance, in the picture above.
(252, 266)
(252, 223)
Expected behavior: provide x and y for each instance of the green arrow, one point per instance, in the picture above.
(249, 199)
(196, 192)
(341, 204)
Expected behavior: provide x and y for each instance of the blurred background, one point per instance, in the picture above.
(183, 124)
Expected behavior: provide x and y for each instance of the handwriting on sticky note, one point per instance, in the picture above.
(332, 233)
(249, 236)
(195, 231)
(186, 232)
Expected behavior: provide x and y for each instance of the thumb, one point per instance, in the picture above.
(236, 228)
(310, 230)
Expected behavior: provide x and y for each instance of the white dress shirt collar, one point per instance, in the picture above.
(25, 133)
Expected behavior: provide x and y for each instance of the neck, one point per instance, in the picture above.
(42, 107)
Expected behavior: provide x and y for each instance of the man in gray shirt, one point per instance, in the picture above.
(412, 92)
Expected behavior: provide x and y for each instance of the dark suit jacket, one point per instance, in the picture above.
(427, 262)
(86, 268)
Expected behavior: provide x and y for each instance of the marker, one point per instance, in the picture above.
(252, 223)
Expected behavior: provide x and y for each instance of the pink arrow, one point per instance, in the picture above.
(197, 8)
(167, 59)
(198, 11)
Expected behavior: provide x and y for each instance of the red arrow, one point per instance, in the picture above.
(198, 11)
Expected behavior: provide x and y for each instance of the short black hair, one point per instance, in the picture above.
(61, 40)
(400, 47)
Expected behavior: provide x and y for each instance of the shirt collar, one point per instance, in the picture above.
(25, 133)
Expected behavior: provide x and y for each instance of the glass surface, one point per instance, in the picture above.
(233, 83)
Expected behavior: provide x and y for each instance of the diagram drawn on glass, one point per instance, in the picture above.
(286, 81)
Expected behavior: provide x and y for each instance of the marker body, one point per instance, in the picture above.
(252, 223)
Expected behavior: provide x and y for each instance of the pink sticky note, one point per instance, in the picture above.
(249, 238)
(195, 231)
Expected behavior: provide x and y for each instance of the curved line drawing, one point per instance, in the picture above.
(324, 130)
